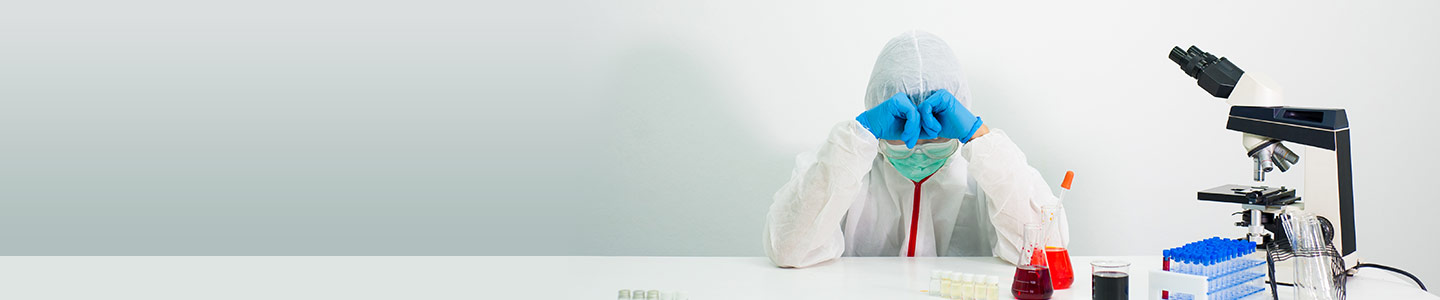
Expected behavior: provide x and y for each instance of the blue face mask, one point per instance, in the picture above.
(920, 162)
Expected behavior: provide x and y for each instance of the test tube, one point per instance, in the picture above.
(1109, 280)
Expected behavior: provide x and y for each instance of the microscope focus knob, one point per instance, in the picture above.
(1327, 229)
(1254, 196)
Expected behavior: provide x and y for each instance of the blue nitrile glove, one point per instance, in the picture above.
(894, 119)
(952, 119)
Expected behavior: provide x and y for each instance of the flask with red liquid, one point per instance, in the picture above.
(1062, 275)
(1032, 278)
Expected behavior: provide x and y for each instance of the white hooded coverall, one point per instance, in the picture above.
(846, 199)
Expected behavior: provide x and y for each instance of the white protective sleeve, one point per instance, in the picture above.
(803, 226)
(1015, 190)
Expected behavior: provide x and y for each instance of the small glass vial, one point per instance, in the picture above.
(958, 288)
(624, 295)
(945, 284)
(992, 287)
(955, 285)
(967, 287)
(935, 282)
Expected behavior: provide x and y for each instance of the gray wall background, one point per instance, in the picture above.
(645, 127)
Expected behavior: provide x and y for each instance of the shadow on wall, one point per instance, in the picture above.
(690, 180)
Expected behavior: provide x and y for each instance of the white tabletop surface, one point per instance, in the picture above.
(556, 277)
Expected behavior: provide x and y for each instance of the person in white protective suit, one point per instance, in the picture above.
(888, 183)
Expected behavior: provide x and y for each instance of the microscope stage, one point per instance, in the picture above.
(1244, 194)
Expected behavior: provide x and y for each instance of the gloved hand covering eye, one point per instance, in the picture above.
(894, 119)
(844, 199)
(946, 117)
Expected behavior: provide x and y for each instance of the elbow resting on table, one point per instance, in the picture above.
(791, 256)
(793, 260)
(787, 262)
(794, 254)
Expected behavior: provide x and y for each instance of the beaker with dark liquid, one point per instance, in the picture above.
(1109, 280)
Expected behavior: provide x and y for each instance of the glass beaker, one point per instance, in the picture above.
(1032, 277)
(1061, 272)
(1313, 275)
(1109, 280)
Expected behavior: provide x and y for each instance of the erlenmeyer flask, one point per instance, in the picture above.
(1055, 252)
(1032, 277)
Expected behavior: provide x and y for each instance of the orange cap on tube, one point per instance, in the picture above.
(1069, 176)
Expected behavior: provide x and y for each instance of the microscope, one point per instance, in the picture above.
(1258, 112)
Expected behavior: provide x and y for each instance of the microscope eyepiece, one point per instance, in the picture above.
(1178, 56)
(1191, 61)
(1214, 74)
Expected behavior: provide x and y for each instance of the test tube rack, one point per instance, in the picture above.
(1209, 269)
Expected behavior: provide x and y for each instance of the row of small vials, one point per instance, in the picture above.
(961, 286)
(651, 295)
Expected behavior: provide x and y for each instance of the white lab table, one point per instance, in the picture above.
(556, 277)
